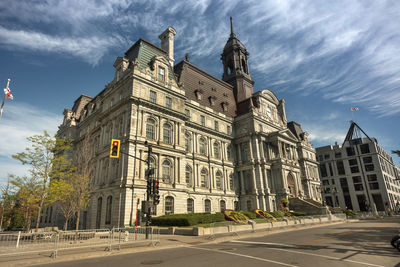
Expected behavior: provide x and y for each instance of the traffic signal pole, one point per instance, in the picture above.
(149, 186)
(152, 184)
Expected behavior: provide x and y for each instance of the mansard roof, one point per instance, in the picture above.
(215, 93)
(143, 53)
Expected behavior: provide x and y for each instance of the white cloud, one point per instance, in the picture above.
(346, 51)
(90, 49)
(18, 122)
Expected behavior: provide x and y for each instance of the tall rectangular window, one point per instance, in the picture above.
(187, 112)
(168, 102)
(350, 151)
(323, 171)
(202, 120)
(228, 129)
(161, 74)
(364, 148)
(216, 125)
(340, 167)
(153, 97)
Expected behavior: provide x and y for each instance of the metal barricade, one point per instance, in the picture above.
(122, 236)
(19, 242)
(53, 242)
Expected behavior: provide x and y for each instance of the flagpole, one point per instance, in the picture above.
(4, 99)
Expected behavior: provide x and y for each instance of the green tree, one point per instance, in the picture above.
(62, 192)
(6, 201)
(44, 157)
(28, 197)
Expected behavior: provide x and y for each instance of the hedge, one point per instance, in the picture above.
(187, 219)
(298, 213)
(251, 215)
(277, 214)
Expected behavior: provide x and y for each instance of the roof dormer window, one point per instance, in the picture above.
(199, 94)
(212, 100)
(225, 106)
(161, 74)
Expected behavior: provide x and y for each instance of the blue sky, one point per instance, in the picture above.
(322, 57)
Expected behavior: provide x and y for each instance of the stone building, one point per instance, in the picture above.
(359, 174)
(216, 144)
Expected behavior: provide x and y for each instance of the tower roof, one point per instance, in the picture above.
(233, 41)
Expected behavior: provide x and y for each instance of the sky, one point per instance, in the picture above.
(322, 57)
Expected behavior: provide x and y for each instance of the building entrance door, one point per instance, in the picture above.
(291, 185)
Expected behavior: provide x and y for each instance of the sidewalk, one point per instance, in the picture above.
(166, 242)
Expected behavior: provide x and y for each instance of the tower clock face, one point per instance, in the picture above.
(269, 112)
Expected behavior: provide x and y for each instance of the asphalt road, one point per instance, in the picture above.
(364, 243)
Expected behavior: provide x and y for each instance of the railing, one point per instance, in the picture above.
(18, 243)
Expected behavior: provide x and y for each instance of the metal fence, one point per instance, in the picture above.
(18, 243)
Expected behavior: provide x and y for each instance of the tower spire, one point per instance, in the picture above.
(232, 32)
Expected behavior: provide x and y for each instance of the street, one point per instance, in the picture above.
(363, 243)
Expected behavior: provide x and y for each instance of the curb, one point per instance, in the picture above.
(219, 238)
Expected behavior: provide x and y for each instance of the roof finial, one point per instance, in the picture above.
(232, 33)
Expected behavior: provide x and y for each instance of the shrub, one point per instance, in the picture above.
(249, 214)
(187, 219)
(285, 202)
(350, 212)
(277, 214)
(294, 213)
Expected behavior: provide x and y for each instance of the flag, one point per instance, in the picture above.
(8, 94)
(354, 109)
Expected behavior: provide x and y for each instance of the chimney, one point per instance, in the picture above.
(167, 43)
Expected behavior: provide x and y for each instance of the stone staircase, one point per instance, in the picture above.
(309, 206)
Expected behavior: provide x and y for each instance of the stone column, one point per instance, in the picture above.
(257, 148)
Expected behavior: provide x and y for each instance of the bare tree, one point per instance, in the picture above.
(81, 180)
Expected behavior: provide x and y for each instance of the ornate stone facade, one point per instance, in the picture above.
(215, 143)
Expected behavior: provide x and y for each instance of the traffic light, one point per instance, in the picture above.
(114, 151)
(149, 187)
(156, 192)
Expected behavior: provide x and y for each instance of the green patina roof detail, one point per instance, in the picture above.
(144, 52)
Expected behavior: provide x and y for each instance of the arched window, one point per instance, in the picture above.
(188, 142)
(231, 181)
(202, 146)
(217, 150)
(167, 133)
(190, 205)
(166, 171)
(169, 205)
(244, 65)
(188, 175)
(150, 129)
(218, 179)
(108, 210)
(207, 205)
(98, 215)
(203, 178)
(222, 205)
